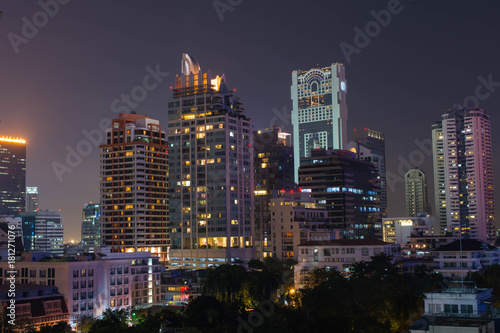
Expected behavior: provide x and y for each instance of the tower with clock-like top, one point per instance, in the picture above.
(319, 110)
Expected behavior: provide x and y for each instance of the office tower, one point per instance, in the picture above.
(274, 171)
(367, 154)
(31, 199)
(211, 175)
(416, 192)
(374, 151)
(133, 188)
(350, 189)
(468, 169)
(319, 110)
(43, 232)
(12, 175)
(91, 227)
(439, 179)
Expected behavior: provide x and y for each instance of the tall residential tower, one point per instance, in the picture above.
(211, 171)
(319, 110)
(133, 191)
(468, 170)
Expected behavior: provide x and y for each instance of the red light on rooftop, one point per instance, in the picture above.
(291, 191)
(234, 89)
(170, 87)
(354, 129)
(365, 128)
(282, 191)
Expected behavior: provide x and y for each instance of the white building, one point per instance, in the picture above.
(440, 226)
(468, 172)
(400, 229)
(460, 257)
(337, 254)
(319, 111)
(459, 308)
(92, 284)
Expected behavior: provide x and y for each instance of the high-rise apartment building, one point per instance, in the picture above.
(43, 232)
(91, 227)
(416, 192)
(274, 172)
(373, 150)
(349, 187)
(31, 199)
(12, 175)
(211, 171)
(133, 186)
(441, 226)
(468, 170)
(319, 110)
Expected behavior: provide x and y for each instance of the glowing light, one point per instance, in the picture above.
(12, 139)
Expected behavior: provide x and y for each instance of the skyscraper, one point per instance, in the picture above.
(91, 226)
(133, 186)
(43, 232)
(319, 110)
(374, 151)
(31, 199)
(211, 173)
(348, 186)
(416, 193)
(468, 170)
(439, 179)
(274, 171)
(12, 175)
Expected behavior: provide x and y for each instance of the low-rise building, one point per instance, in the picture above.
(337, 254)
(461, 307)
(94, 283)
(458, 258)
(39, 305)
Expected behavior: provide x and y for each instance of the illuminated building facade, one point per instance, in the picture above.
(133, 186)
(399, 229)
(274, 171)
(294, 215)
(12, 175)
(31, 199)
(43, 232)
(91, 226)
(439, 178)
(416, 192)
(319, 110)
(373, 150)
(468, 169)
(349, 187)
(211, 172)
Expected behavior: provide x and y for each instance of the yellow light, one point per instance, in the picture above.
(12, 139)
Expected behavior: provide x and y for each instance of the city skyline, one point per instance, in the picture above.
(80, 86)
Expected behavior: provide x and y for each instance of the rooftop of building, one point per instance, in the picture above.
(346, 242)
(467, 245)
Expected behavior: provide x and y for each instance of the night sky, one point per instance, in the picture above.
(65, 76)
